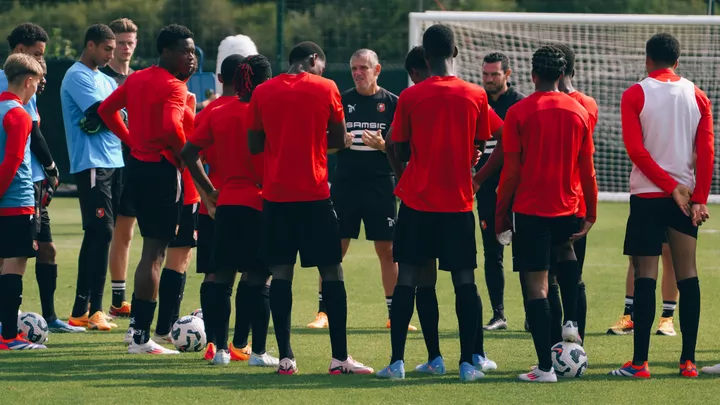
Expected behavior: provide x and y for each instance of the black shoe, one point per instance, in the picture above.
(527, 326)
(496, 324)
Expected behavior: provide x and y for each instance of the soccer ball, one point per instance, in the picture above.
(197, 313)
(569, 360)
(33, 326)
(188, 334)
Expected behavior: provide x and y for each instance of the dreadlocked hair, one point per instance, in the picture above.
(253, 71)
(549, 63)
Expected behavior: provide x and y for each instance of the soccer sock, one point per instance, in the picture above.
(629, 306)
(281, 308)
(336, 297)
(539, 318)
(568, 276)
(118, 292)
(144, 312)
(46, 276)
(260, 316)
(321, 303)
(480, 334)
(221, 319)
(466, 308)
(388, 303)
(206, 303)
(668, 309)
(689, 316)
(82, 289)
(582, 310)
(403, 297)
(243, 315)
(132, 312)
(495, 280)
(644, 316)
(556, 313)
(176, 313)
(169, 293)
(10, 299)
(97, 260)
(429, 315)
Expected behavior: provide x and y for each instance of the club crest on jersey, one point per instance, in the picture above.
(195, 235)
(35, 245)
(100, 212)
(381, 107)
(483, 225)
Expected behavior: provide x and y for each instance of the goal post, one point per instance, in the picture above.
(610, 57)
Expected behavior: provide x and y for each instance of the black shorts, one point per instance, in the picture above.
(447, 236)
(205, 243)
(309, 227)
(42, 217)
(239, 231)
(98, 192)
(125, 207)
(156, 193)
(187, 228)
(371, 201)
(648, 221)
(18, 236)
(535, 237)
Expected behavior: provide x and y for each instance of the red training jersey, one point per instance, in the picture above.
(155, 102)
(591, 107)
(666, 120)
(17, 125)
(293, 111)
(544, 135)
(190, 193)
(441, 117)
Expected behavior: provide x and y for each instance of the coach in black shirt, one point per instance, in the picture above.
(496, 72)
(363, 182)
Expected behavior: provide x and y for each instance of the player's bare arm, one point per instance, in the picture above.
(397, 166)
(191, 157)
(338, 137)
(494, 163)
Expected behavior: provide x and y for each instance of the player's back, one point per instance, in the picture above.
(445, 115)
(295, 111)
(551, 129)
(147, 93)
(242, 172)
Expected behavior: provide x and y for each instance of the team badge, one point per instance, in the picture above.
(483, 225)
(195, 235)
(35, 245)
(381, 107)
(100, 212)
(177, 228)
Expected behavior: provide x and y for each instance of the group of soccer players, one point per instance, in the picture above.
(137, 151)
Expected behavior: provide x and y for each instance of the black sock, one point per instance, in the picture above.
(388, 303)
(281, 308)
(644, 316)
(480, 335)
(668, 309)
(144, 313)
(260, 316)
(429, 315)
(629, 306)
(243, 317)
(539, 318)
(46, 276)
(499, 312)
(582, 310)
(321, 303)
(84, 277)
(97, 259)
(689, 316)
(403, 297)
(466, 308)
(10, 299)
(568, 277)
(208, 309)
(523, 290)
(176, 313)
(132, 311)
(221, 318)
(336, 298)
(168, 293)
(118, 292)
(556, 313)
(495, 280)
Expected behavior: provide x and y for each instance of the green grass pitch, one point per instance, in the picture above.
(95, 367)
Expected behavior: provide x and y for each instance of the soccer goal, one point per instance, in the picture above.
(610, 58)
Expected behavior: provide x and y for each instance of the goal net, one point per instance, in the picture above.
(610, 57)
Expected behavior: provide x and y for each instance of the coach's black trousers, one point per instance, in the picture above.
(492, 249)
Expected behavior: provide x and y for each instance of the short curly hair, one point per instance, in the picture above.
(415, 59)
(663, 48)
(304, 49)
(548, 63)
(439, 41)
(569, 54)
(27, 34)
(170, 34)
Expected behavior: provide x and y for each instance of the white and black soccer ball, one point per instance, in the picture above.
(569, 360)
(188, 334)
(33, 326)
(198, 313)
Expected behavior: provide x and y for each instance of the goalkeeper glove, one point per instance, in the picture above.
(47, 192)
(53, 175)
(91, 123)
